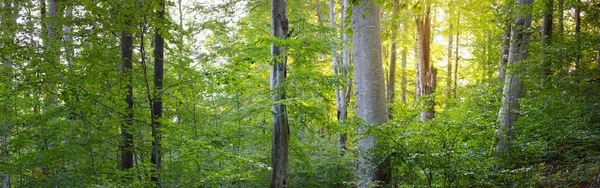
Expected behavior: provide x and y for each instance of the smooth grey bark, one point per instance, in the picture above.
(513, 85)
(426, 72)
(345, 89)
(157, 105)
(504, 51)
(281, 130)
(546, 38)
(334, 62)
(391, 84)
(67, 36)
(370, 90)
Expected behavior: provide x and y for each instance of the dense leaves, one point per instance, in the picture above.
(59, 124)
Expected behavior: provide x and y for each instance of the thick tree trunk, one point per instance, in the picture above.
(345, 90)
(157, 105)
(513, 85)
(546, 38)
(391, 84)
(427, 73)
(403, 76)
(370, 90)
(126, 148)
(281, 130)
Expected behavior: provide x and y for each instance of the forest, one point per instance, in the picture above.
(299, 93)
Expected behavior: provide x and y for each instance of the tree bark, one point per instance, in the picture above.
(561, 17)
(403, 76)
(157, 105)
(126, 148)
(281, 130)
(427, 73)
(578, 35)
(370, 90)
(391, 84)
(8, 23)
(546, 38)
(67, 36)
(513, 85)
(504, 51)
(449, 68)
(345, 90)
(456, 58)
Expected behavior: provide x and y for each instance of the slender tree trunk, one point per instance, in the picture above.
(345, 90)
(391, 87)
(561, 17)
(126, 148)
(427, 73)
(8, 22)
(513, 85)
(281, 129)
(546, 38)
(449, 68)
(456, 57)
(370, 90)
(598, 60)
(403, 76)
(67, 36)
(157, 105)
(578, 35)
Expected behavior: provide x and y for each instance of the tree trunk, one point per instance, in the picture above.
(456, 58)
(370, 90)
(513, 85)
(126, 148)
(157, 105)
(68, 39)
(449, 68)
(504, 51)
(578, 35)
(8, 21)
(561, 17)
(281, 130)
(53, 31)
(598, 60)
(546, 38)
(391, 87)
(426, 71)
(345, 90)
(403, 76)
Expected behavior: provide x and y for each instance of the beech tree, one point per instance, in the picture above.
(513, 83)
(370, 90)
(157, 104)
(126, 44)
(281, 129)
